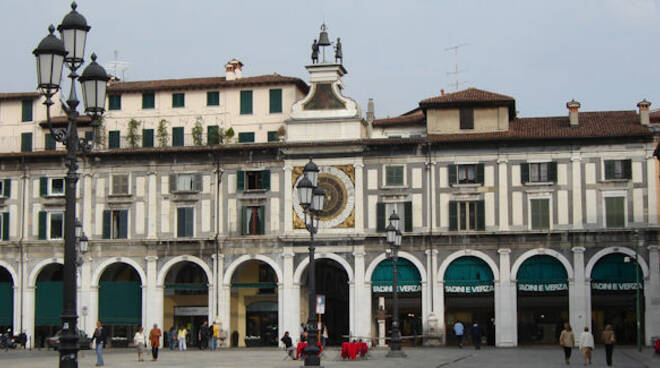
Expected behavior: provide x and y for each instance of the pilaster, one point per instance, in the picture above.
(503, 193)
(359, 197)
(576, 191)
(362, 316)
(652, 296)
(288, 199)
(152, 309)
(579, 293)
(290, 302)
(506, 311)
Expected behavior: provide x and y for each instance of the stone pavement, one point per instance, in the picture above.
(536, 357)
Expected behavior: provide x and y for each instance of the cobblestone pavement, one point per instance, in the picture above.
(536, 357)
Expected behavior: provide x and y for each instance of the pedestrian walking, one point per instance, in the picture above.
(288, 344)
(476, 335)
(214, 335)
(459, 330)
(567, 341)
(181, 336)
(171, 338)
(99, 338)
(204, 336)
(608, 339)
(140, 342)
(586, 345)
(154, 340)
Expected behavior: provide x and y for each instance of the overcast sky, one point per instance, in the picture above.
(604, 53)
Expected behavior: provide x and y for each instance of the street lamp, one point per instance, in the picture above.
(51, 54)
(311, 198)
(394, 239)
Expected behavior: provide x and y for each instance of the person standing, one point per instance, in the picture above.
(567, 341)
(587, 345)
(99, 337)
(288, 344)
(476, 335)
(154, 340)
(204, 336)
(608, 339)
(181, 336)
(140, 342)
(214, 334)
(459, 330)
(171, 338)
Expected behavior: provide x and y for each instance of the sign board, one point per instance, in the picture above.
(191, 311)
(469, 289)
(543, 287)
(320, 304)
(616, 286)
(402, 288)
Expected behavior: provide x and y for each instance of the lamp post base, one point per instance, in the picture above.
(396, 354)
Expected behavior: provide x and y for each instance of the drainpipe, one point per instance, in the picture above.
(218, 174)
(20, 242)
(429, 191)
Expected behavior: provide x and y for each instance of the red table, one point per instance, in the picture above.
(302, 345)
(350, 350)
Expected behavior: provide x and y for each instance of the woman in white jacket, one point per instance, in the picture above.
(586, 345)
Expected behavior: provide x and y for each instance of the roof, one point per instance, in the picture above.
(600, 124)
(19, 95)
(207, 82)
(415, 117)
(655, 116)
(469, 98)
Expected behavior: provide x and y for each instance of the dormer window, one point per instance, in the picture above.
(467, 118)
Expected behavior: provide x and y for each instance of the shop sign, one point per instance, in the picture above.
(472, 289)
(402, 288)
(543, 287)
(615, 286)
(320, 304)
(191, 311)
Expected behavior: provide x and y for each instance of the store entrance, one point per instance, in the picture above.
(48, 300)
(186, 298)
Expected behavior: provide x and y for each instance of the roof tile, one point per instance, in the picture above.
(468, 95)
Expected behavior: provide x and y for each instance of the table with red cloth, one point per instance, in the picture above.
(302, 345)
(350, 350)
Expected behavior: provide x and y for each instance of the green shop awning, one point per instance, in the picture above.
(408, 280)
(468, 275)
(262, 307)
(49, 303)
(6, 303)
(542, 274)
(254, 285)
(120, 303)
(186, 286)
(612, 272)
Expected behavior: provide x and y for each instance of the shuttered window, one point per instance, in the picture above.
(467, 118)
(272, 136)
(246, 137)
(50, 142)
(466, 215)
(4, 231)
(402, 209)
(394, 175)
(114, 102)
(275, 95)
(26, 142)
(540, 213)
(56, 225)
(213, 135)
(148, 100)
(186, 183)
(213, 98)
(178, 100)
(26, 110)
(246, 102)
(615, 212)
(465, 174)
(114, 139)
(147, 138)
(252, 220)
(120, 184)
(115, 224)
(177, 136)
(184, 222)
(618, 169)
(5, 188)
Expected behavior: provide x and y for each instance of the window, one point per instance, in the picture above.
(147, 137)
(213, 135)
(177, 136)
(272, 136)
(148, 100)
(26, 110)
(253, 180)
(51, 186)
(51, 225)
(540, 213)
(114, 102)
(246, 137)
(275, 95)
(120, 184)
(466, 215)
(615, 212)
(246, 102)
(618, 169)
(466, 174)
(5, 188)
(184, 222)
(50, 142)
(114, 139)
(115, 224)
(4, 225)
(252, 220)
(213, 98)
(402, 209)
(540, 172)
(394, 175)
(467, 118)
(185, 183)
(178, 100)
(26, 142)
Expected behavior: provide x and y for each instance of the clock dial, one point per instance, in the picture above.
(339, 198)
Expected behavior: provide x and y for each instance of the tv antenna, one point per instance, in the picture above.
(115, 67)
(455, 73)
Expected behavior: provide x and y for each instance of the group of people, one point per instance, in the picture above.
(586, 343)
(141, 343)
(304, 334)
(475, 332)
(209, 337)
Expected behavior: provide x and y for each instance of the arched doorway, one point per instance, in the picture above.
(186, 298)
(120, 303)
(48, 303)
(6, 300)
(613, 296)
(331, 281)
(469, 298)
(410, 296)
(542, 300)
(254, 311)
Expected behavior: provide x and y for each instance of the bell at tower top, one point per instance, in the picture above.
(320, 45)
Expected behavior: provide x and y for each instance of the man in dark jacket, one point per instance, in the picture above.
(204, 336)
(288, 344)
(476, 335)
(99, 337)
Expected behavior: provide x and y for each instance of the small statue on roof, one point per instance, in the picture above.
(315, 52)
(339, 57)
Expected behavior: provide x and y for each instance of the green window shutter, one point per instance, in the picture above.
(262, 220)
(189, 217)
(451, 174)
(107, 218)
(50, 142)
(467, 118)
(173, 183)
(114, 139)
(213, 135)
(6, 188)
(180, 222)
(615, 212)
(380, 217)
(453, 216)
(407, 217)
(480, 174)
(246, 137)
(552, 171)
(243, 221)
(178, 100)
(246, 102)
(5, 226)
(627, 169)
(481, 215)
(524, 173)
(275, 100)
(272, 136)
(26, 110)
(123, 224)
(394, 175)
(213, 98)
(43, 186)
(147, 138)
(197, 182)
(240, 180)
(540, 212)
(43, 217)
(148, 100)
(114, 102)
(609, 169)
(265, 179)
(177, 136)
(26, 142)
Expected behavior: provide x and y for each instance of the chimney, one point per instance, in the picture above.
(573, 107)
(370, 117)
(644, 106)
(442, 91)
(233, 70)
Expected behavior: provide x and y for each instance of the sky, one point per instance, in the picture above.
(603, 53)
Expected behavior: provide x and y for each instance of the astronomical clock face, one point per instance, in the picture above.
(339, 205)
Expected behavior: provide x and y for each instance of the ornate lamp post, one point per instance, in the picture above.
(394, 239)
(51, 54)
(311, 198)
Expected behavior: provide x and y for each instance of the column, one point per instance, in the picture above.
(579, 294)
(576, 191)
(359, 197)
(362, 300)
(28, 311)
(439, 302)
(152, 220)
(288, 198)
(351, 308)
(506, 311)
(219, 311)
(503, 193)
(290, 301)
(86, 321)
(427, 306)
(152, 309)
(652, 296)
(226, 314)
(651, 190)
